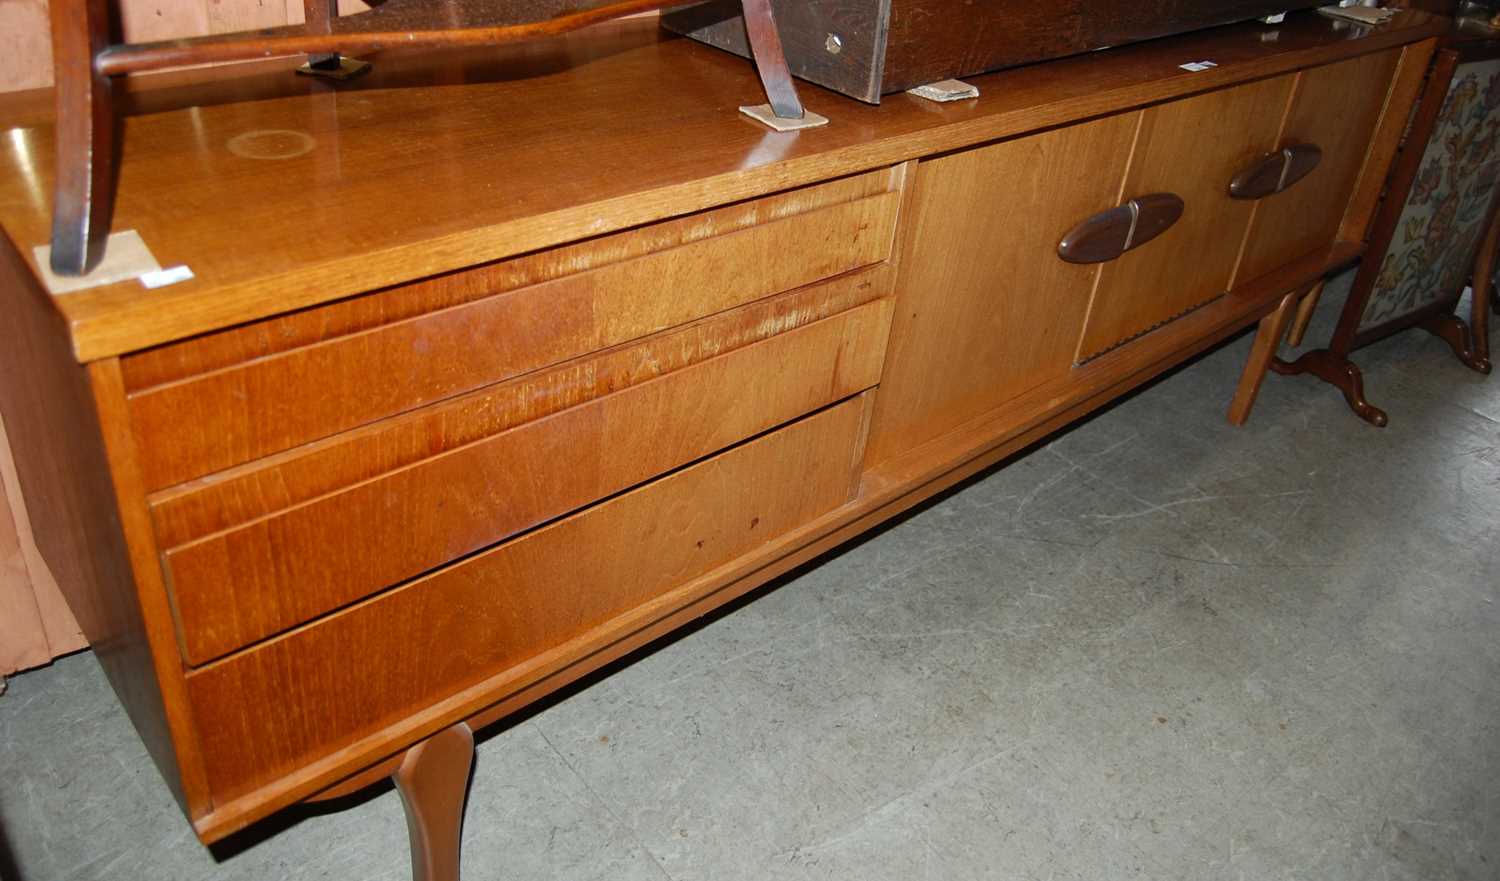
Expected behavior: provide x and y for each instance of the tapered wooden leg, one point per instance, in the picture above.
(1267, 341)
(1305, 314)
(84, 196)
(770, 59)
(433, 780)
(1484, 293)
(1339, 372)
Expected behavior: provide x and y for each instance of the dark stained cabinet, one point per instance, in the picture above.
(869, 48)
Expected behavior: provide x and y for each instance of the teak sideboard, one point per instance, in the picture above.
(496, 366)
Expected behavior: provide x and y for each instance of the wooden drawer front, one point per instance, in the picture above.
(1191, 148)
(288, 701)
(205, 405)
(1336, 109)
(255, 579)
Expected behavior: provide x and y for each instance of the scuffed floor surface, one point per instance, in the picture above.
(1157, 647)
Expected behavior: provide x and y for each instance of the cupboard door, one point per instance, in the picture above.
(1192, 148)
(985, 308)
(1335, 109)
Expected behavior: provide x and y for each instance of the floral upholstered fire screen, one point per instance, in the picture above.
(1433, 245)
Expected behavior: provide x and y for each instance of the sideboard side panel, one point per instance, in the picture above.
(48, 401)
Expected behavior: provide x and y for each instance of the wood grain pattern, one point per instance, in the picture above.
(885, 491)
(398, 173)
(266, 405)
(308, 693)
(1336, 108)
(1192, 148)
(987, 310)
(256, 579)
(450, 194)
(277, 483)
(74, 469)
(390, 24)
(283, 333)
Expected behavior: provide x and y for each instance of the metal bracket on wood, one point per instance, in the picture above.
(334, 67)
(785, 112)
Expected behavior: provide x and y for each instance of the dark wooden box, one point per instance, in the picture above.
(867, 48)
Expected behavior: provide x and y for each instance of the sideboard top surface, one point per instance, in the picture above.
(280, 192)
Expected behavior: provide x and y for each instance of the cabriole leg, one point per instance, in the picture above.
(1339, 372)
(84, 196)
(433, 781)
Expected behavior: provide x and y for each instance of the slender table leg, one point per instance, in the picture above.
(1305, 314)
(433, 780)
(1267, 341)
(84, 196)
(1485, 294)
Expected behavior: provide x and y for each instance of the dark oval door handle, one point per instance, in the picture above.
(1275, 172)
(1301, 159)
(1111, 233)
(1261, 179)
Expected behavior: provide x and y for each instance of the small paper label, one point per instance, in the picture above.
(1198, 66)
(946, 90)
(163, 277)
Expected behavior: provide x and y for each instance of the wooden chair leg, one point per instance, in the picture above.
(433, 780)
(770, 60)
(1305, 314)
(1267, 341)
(83, 199)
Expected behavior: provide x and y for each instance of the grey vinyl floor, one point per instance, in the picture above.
(1155, 647)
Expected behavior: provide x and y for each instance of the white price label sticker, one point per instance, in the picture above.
(163, 277)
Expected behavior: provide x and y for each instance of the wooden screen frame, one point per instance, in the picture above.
(1347, 336)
